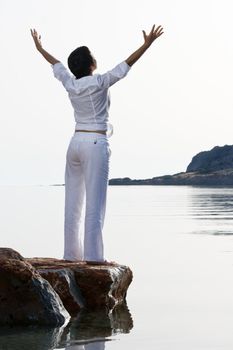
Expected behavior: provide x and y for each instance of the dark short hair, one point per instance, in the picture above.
(80, 61)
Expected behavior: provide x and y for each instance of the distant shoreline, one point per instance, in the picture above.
(218, 178)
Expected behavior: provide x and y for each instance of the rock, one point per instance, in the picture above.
(9, 253)
(218, 158)
(47, 291)
(25, 297)
(63, 281)
(85, 285)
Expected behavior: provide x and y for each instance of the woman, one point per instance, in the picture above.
(87, 161)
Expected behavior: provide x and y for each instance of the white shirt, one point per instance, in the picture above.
(89, 95)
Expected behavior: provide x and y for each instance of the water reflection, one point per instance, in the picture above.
(89, 331)
(213, 207)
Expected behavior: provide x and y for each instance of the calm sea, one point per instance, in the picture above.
(177, 240)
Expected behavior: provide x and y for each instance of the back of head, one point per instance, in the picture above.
(80, 62)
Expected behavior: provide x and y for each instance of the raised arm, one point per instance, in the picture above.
(44, 53)
(148, 40)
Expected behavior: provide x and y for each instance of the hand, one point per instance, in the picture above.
(36, 39)
(154, 34)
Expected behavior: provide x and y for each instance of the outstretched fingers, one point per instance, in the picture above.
(35, 34)
(153, 34)
(158, 31)
(152, 30)
(36, 38)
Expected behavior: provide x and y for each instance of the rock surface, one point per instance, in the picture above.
(48, 291)
(9, 253)
(25, 297)
(85, 285)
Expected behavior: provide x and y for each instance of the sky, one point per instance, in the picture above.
(176, 101)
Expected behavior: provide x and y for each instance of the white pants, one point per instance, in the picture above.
(86, 180)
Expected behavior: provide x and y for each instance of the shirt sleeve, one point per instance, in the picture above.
(114, 75)
(62, 74)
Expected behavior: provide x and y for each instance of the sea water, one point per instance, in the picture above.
(178, 241)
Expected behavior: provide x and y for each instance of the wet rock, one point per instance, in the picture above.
(103, 285)
(63, 282)
(85, 285)
(47, 291)
(25, 297)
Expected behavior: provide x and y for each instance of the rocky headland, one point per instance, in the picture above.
(48, 291)
(208, 168)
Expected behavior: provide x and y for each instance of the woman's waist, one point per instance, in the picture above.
(105, 129)
(89, 136)
(93, 125)
(103, 132)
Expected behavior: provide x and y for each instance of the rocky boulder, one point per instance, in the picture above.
(85, 285)
(25, 297)
(48, 291)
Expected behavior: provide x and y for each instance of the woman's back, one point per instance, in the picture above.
(89, 95)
